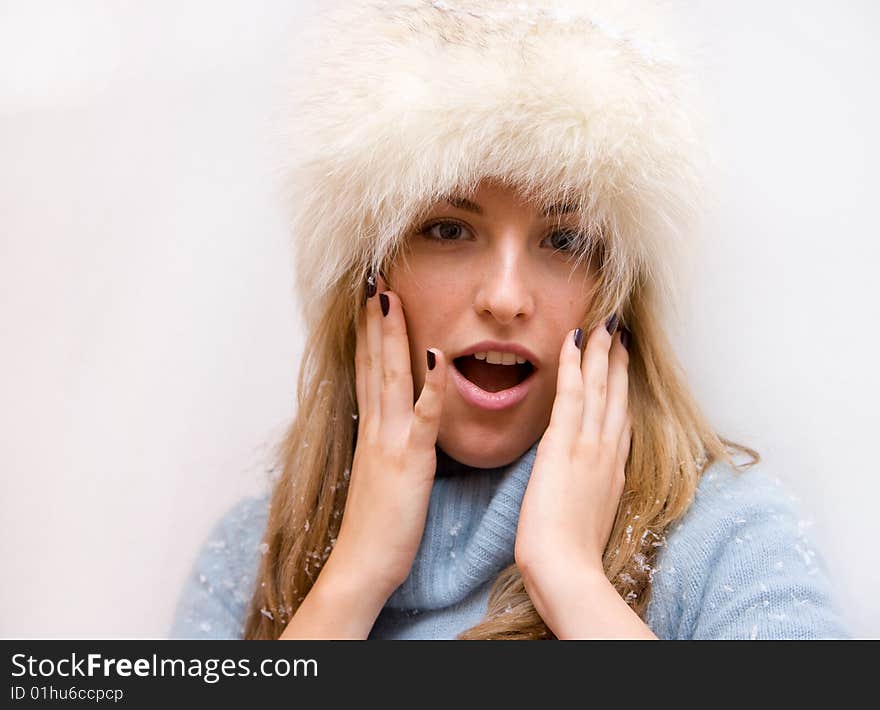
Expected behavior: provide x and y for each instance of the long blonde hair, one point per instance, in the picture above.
(672, 445)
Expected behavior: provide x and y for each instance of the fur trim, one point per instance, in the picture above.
(394, 104)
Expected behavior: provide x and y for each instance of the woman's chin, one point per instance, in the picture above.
(482, 449)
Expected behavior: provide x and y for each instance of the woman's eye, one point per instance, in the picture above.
(443, 231)
(564, 240)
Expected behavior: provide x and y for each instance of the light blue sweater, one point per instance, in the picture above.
(739, 565)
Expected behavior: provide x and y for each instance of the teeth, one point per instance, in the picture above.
(495, 357)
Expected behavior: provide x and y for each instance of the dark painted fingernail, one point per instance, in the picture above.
(383, 301)
(370, 288)
(578, 338)
(611, 324)
(432, 360)
(625, 336)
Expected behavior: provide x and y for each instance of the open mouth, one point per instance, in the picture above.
(491, 377)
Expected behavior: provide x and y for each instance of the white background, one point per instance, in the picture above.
(150, 340)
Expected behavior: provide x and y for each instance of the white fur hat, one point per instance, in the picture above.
(393, 104)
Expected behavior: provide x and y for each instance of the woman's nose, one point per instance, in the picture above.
(505, 290)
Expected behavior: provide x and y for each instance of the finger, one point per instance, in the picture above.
(566, 415)
(624, 444)
(617, 405)
(360, 363)
(594, 374)
(397, 383)
(374, 361)
(429, 407)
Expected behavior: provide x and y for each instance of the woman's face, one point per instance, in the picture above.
(492, 269)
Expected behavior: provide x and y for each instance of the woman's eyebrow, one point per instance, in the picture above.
(560, 209)
(463, 203)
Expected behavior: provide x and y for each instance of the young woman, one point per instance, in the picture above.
(494, 440)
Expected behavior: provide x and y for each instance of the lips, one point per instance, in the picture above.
(493, 387)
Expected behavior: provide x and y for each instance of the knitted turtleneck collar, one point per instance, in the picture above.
(469, 534)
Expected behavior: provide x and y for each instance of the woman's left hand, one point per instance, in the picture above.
(577, 479)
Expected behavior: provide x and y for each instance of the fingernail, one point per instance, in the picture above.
(578, 338)
(432, 360)
(383, 301)
(370, 288)
(611, 324)
(625, 336)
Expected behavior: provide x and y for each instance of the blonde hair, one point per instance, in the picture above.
(672, 445)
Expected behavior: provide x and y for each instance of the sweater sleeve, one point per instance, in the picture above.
(746, 567)
(215, 595)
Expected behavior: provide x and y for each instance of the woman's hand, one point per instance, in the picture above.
(394, 460)
(577, 479)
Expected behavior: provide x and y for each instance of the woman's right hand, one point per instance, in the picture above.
(394, 460)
